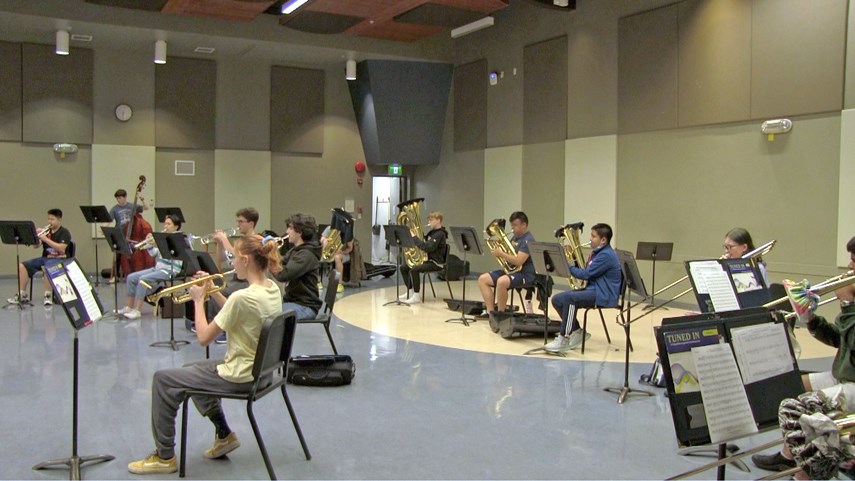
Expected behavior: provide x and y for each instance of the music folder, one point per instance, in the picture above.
(76, 295)
(727, 284)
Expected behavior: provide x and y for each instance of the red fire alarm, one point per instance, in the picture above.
(359, 167)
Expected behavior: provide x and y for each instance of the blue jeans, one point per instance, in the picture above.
(151, 276)
(567, 302)
(302, 311)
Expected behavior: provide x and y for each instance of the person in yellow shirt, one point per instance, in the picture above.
(241, 316)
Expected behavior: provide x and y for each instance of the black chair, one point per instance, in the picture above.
(619, 307)
(443, 268)
(270, 365)
(69, 253)
(325, 314)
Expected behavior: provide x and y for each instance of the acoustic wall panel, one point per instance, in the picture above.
(185, 103)
(715, 61)
(10, 91)
(545, 92)
(253, 168)
(57, 95)
(400, 109)
(543, 187)
(503, 173)
(647, 71)
(470, 106)
(590, 172)
(797, 53)
(297, 110)
(846, 196)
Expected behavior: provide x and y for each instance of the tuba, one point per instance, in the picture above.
(409, 216)
(568, 237)
(333, 244)
(498, 239)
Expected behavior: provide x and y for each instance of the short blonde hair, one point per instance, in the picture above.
(435, 215)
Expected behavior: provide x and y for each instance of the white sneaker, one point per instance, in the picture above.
(124, 310)
(132, 314)
(575, 339)
(48, 298)
(556, 344)
(19, 299)
(414, 299)
(404, 296)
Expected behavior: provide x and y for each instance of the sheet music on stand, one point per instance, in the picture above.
(77, 297)
(727, 284)
(711, 400)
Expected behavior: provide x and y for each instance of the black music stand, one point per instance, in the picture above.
(198, 261)
(653, 251)
(400, 235)
(549, 260)
(96, 214)
(171, 245)
(632, 282)
(80, 315)
(162, 212)
(18, 232)
(116, 238)
(466, 240)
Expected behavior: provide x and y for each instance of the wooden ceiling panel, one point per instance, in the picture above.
(402, 32)
(224, 9)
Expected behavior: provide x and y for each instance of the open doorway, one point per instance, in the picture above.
(387, 193)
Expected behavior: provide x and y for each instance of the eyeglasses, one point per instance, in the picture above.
(727, 247)
(241, 221)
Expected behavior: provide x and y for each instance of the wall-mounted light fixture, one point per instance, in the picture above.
(62, 42)
(777, 126)
(160, 52)
(350, 70)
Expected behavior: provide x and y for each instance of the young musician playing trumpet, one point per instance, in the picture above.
(242, 315)
(300, 268)
(503, 281)
(839, 334)
(163, 270)
(53, 239)
(604, 276)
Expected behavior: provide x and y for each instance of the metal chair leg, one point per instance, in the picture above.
(296, 423)
(329, 336)
(259, 440)
(603, 320)
(182, 466)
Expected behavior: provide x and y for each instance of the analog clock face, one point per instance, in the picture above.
(124, 112)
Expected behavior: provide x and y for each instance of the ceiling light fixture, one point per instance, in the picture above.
(292, 5)
(62, 42)
(160, 52)
(350, 70)
(472, 27)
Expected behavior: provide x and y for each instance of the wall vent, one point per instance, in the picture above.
(185, 167)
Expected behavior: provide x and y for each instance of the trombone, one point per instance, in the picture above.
(824, 287)
(180, 293)
(758, 252)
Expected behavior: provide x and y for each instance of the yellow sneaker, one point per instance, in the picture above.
(340, 288)
(223, 446)
(153, 464)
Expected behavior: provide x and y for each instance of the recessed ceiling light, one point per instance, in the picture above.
(205, 50)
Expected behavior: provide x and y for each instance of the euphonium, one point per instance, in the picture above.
(180, 293)
(409, 216)
(498, 239)
(568, 237)
(332, 245)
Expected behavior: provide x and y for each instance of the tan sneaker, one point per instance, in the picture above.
(223, 446)
(153, 464)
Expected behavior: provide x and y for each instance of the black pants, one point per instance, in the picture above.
(412, 276)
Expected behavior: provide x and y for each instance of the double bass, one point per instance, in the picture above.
(138, 229)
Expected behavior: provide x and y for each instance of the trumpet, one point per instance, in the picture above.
(758, 252)
(280, 241)
(180, 293)
(207, 239)
(45, 230)
(145, 243)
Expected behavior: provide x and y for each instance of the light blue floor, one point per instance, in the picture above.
(414, 411)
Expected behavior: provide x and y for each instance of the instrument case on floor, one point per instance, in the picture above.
(321, 370)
